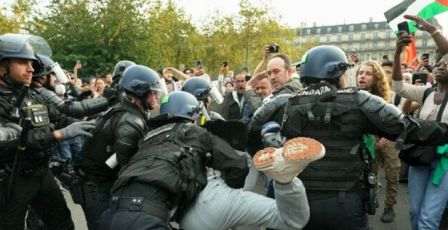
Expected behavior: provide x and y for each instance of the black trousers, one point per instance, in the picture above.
(97, 199)
(40, 191)
(337, 211)
(119, 219)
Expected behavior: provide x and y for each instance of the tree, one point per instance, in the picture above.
(19, 17)
(240, 39)
(171, 36)
(98, 33)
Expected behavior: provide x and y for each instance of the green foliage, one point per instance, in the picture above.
(13, 23)
(157, 33)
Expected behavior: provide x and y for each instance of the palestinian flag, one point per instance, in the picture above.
(426, 9)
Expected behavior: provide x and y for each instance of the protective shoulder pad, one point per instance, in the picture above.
(386, 117)
(49, 96)
(265, 112)
(159, 130)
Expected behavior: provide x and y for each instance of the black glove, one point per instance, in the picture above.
(111, 94)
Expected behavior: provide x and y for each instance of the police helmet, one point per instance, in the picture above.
(180, 104)
(120, 67)
(322, 63)
(140, 80)
(197, 86)
(16, 46)
(45, 65)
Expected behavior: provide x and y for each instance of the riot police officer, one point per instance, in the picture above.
(44, 76)
(337, 186)
(116, 136)
(26, 179)
(204, 93)
(119, 69)
(168, 171)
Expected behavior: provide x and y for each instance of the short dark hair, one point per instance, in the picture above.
(387, 63)
(285, 59)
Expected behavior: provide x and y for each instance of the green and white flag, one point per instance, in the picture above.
(426, 9)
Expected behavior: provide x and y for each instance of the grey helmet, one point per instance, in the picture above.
(16, 46)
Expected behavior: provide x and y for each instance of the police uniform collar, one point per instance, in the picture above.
(8, 87)
(132, 108)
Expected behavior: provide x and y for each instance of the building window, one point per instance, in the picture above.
(318, 30)
(350, 36)
(376, 25)
(363, 26)
(308, 31)
(363, 36)
(339, 37)
(375, 34)
(351, 27)
(340, 29)
(328, 29)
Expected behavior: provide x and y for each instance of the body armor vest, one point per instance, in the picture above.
(99, 147)
(166, 162)
(339, 124)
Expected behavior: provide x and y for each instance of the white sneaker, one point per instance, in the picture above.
(283, 164)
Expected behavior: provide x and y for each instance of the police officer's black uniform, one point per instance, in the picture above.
(45, 66)
(118, 132)
(168, 171)
(26, 179)
(336, 184)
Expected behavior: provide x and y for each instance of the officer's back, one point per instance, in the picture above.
(337, 185)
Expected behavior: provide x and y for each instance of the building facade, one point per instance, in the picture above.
(369, 40)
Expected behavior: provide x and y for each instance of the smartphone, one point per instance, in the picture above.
(421, 77)
(274, 48)
(403, 27)
(225, 64)
(198, 63)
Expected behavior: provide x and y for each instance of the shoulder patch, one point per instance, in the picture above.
(349, 90)
(312, 92)
(159, 130)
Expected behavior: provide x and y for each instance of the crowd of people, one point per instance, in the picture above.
(178, 149)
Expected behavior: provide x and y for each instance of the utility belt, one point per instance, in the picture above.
(143, 198)
(138, 204)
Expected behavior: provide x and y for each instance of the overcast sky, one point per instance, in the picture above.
(292, 12)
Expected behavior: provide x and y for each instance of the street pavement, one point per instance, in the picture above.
(401, 209)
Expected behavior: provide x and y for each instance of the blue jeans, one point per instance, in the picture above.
(427, 201)
(220, 207)
(71, 149)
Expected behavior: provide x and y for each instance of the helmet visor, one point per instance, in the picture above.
(59, 73)
(216, 95)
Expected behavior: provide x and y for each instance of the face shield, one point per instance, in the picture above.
(163, 89)
(215, 94)
(59, 73)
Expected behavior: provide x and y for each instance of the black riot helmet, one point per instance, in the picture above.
(16, 46)
(320, 63)
(197, 86)
(180, 104)
(45, 65)
(120, 67)
(139, 80)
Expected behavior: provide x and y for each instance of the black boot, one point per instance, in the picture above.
(388, 215)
